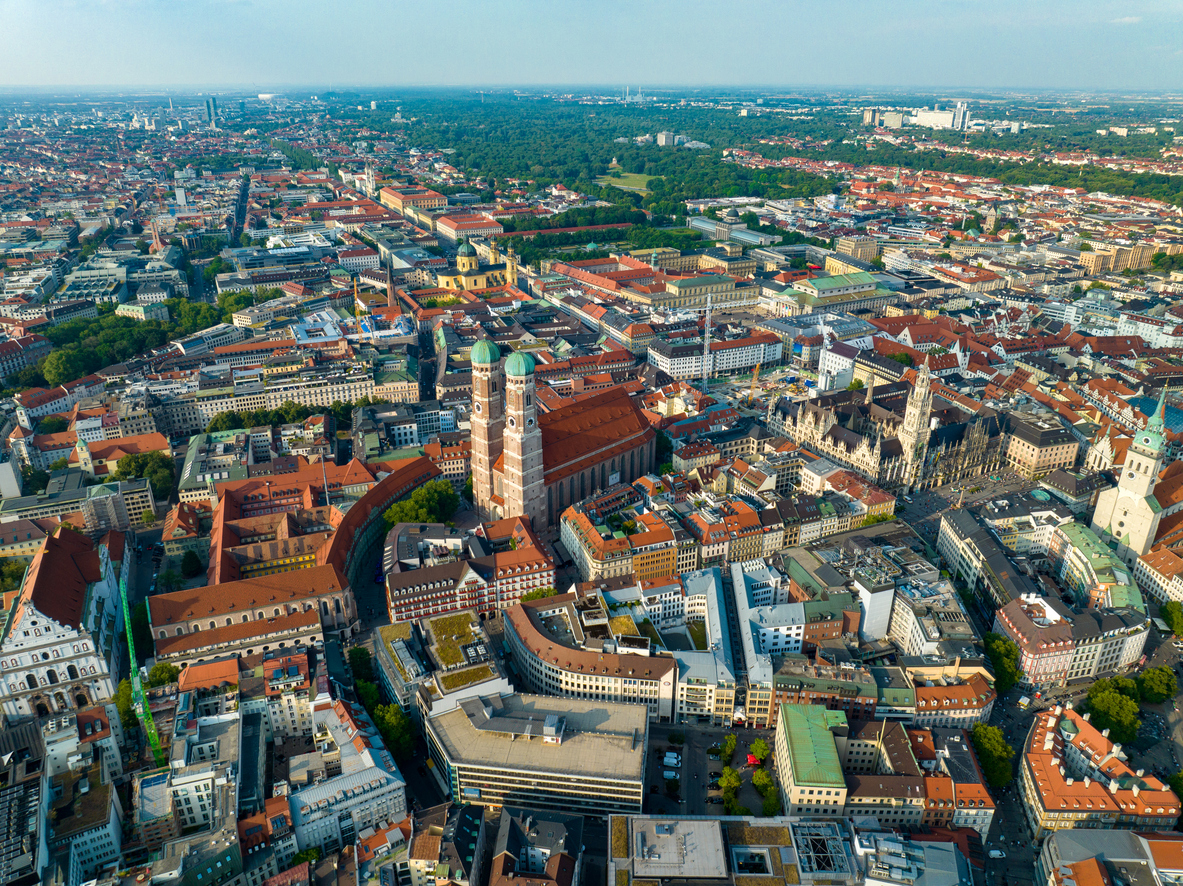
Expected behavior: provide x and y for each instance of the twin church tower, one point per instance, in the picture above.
(507, 468)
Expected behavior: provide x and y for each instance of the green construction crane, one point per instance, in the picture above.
(137, 686)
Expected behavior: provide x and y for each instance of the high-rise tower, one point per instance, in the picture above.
(913, 436)
(524, 492)
(487, 422)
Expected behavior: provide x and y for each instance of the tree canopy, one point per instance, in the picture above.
(433, 502)
(156, 467)
(191, 564)
(397, 730)
(289, 413)
(360, 663)
(994, 754)
(163, 673)
(12, 571)
(1156, 685)
(1113, 705)
(1004, 656)
(1172, 613)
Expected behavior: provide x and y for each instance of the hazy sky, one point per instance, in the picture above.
(271, 44)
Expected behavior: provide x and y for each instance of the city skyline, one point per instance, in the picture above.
(266, 46)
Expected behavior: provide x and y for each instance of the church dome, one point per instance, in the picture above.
(485, 353)
(466, 249)
(519, 365)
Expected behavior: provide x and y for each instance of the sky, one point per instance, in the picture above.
(269, 45)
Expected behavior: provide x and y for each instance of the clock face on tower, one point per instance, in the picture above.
(513, 423)
(476, 407)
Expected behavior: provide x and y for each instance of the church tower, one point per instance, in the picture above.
(1128, 516)
(523, 485)
(466, 258)
(914, 434)
(511, 266)
(487, 423)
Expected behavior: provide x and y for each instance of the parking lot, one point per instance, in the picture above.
(695, 773)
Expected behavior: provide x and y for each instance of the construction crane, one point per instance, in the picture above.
(143, 712)
(751, 400)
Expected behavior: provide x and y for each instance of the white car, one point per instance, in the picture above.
(997, 853)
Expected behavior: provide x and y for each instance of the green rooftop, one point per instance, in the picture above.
(450, 632)
(840, 281)
(812, 754)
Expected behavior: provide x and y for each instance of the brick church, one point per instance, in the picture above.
(524, 463)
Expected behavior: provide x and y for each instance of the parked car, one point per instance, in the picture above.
(997, 853)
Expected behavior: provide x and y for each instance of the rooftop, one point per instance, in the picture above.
(811, 744)
(665, 849)
(597, 740)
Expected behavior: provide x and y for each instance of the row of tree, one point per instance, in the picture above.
(1004, 659)
(289, 413)
(396, 728)
(87, 345)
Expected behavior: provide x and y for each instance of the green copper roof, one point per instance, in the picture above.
(813, 755)
(519, 365)
(485, 353)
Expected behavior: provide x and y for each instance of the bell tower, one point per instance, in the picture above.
(915, 431)
(1128, 516)
(511, 267)
(523, 474)
(487, 423)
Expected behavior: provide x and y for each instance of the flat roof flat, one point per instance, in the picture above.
(677, 848)
(599, 740)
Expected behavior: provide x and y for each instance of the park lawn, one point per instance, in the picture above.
(629, 181)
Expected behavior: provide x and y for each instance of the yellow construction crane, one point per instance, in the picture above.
(752, 393)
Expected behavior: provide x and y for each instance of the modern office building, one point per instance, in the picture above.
(564, 755)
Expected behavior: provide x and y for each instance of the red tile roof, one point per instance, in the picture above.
(58, 578)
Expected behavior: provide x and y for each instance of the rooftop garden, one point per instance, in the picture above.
(451, 632)
(453, 680)
(619, 836)
(623, 626)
